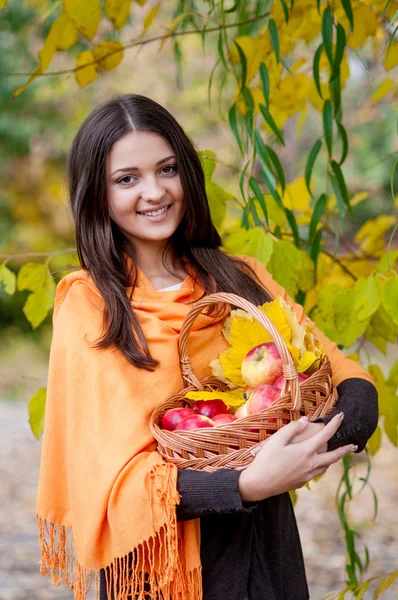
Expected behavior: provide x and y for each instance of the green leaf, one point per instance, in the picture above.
(336, 315)
(265, 82)
(234, 126)
(310, 163)
(390, 298)
(273, 191)
(285, 10)
(38, 279)
(209, 163)
(390, 43)
(368, 296)
(327, 115)
(344, 142)
(335, 91)
(260, 197)
(243, 61)
(374, 442)
(234, 7)
(245, 218)
(248, 100)
(381, 329)
(395, 17)
(315, 69)
(273, 30)
(285, 266)
(36, 408)
(242, 179)
(267, 175)
(252, 242)
(384, 584)
(392, 178)
(278, 167)
(7, 280)
(275, 213)
(270, 121)
(387, 6)
(306, 279)
(348, 11)
(318, 212)
(388, 405)
(393, 376)
(217, 198)
(339, 51)
(327, 34)
(220, 48)
(293, 226)
(316, 245)
(341, 186)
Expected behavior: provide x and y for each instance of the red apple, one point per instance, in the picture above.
(194, 422)
(209, 408)
(280, 381)
(262, 397)
(223, 418)
(172, 417)
(241, 411)
(262, 365)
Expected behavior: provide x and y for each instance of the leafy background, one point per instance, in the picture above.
(293, 113)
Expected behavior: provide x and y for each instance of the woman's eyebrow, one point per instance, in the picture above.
(125, 169)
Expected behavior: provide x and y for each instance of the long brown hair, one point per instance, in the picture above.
(102, 247)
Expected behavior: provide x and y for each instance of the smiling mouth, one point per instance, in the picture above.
(154, 213)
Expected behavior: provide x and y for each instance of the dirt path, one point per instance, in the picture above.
(320, 530)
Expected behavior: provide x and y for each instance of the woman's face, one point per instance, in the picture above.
(144, 191)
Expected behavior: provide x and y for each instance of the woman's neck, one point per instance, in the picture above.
(150, 261)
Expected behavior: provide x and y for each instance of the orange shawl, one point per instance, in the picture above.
(104, 492)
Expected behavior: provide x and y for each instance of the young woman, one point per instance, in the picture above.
(107, 504)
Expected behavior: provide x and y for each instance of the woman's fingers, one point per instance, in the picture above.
(321, 438)
(329, 458)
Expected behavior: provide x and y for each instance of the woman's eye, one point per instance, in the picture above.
(169, 169)
(126, 179)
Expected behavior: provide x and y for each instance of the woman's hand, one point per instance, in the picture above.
(283, 464)
(309, 431)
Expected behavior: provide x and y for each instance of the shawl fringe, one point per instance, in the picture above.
(153, 570)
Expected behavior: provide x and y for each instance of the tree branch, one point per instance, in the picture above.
(143, 43)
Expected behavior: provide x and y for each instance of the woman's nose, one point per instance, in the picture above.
(152, 190)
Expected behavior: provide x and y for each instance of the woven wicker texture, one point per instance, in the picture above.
(230, 446)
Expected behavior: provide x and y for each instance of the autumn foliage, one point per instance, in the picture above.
(288, 61)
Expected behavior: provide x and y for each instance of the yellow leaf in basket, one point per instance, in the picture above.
(297, 330)
(217, 370)
(238, 312)
(276, 314)
(232, 399)
(304, 363)
(231, 362)
(247, 334)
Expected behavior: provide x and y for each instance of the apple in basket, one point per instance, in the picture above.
(261, 398)
(262, 365)
(242, 411)
(194, 421)
(223, 418)
(210, 408)
(173, 416)
(280, 381)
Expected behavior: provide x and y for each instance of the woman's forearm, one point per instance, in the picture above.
(358, 399)
(204, 493)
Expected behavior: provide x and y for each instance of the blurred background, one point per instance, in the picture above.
(36, 129)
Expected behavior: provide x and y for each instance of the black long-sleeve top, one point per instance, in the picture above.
(253, 550)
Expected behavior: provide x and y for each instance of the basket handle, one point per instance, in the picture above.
(289, 369)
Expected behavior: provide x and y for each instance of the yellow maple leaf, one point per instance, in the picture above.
(232, 399)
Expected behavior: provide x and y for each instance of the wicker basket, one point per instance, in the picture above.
(231, 445)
